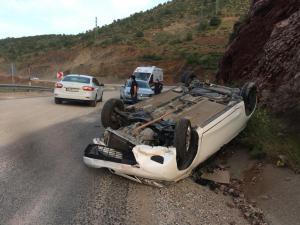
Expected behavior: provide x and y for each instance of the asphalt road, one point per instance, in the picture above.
(44, 181)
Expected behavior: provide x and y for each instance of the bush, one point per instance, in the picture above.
(105, 43)
(209, 61)
(151, 57)
(215, 21)
(139, 34)
(189, 36)
(89, 43)
(163, 37)
(116, 39)
(203, 25)
(175, 41)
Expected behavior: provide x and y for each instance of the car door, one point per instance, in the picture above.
(221, 131)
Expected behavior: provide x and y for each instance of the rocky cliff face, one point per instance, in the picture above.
(267, 50)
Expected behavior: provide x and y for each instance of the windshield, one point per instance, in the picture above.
(142, 76)
(77, 79)
(141, 84)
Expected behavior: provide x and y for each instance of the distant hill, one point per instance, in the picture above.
(178, 35)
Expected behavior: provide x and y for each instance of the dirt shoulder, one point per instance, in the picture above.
(275, 190)
(182, 203)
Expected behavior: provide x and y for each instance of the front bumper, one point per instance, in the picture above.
(139, 166)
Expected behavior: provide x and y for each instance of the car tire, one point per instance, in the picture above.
(93, 103)
(57, 100)
(185, 143)
(108, 115)
(249, 94)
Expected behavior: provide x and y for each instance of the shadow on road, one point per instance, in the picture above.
(44, 180)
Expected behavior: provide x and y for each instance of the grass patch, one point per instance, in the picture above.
(203, 26)
(151, 57)
(215, 21)
(207, 61)
(264, 136)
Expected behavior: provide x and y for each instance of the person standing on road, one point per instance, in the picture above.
(134, 89)
(157, 87)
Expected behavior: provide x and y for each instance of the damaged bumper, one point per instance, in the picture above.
(145, 164)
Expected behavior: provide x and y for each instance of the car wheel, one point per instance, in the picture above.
(249, 94)
(93, 103)
(57, 100)
(109, 117)
(185, 143)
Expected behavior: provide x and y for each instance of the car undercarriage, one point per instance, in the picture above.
(167, 126)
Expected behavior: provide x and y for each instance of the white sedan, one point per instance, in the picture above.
(79, 88)
(164, 138)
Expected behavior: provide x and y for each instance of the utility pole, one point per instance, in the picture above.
(96, 27)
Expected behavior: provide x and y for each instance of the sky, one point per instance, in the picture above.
(19, 18)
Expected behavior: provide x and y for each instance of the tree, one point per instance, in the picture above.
(139, 34)
(215, 21)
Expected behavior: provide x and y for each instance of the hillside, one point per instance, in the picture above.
(178, 35)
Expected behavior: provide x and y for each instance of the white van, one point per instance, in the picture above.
(149, 74)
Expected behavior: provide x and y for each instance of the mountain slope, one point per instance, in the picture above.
(176, 35)
(267, 50)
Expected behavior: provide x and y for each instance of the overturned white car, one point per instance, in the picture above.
(164, 138)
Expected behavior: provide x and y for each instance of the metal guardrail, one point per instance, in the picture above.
(18, 87)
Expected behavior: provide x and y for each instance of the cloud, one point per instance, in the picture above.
(33, 17)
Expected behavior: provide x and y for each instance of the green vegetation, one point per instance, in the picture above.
(151, 57)
(15, 48)
(179, 30)
(139, 34)
(215, 21)
(207, 61)
(203, 26)
(264, 136)
(189, 36)
(163, 37)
